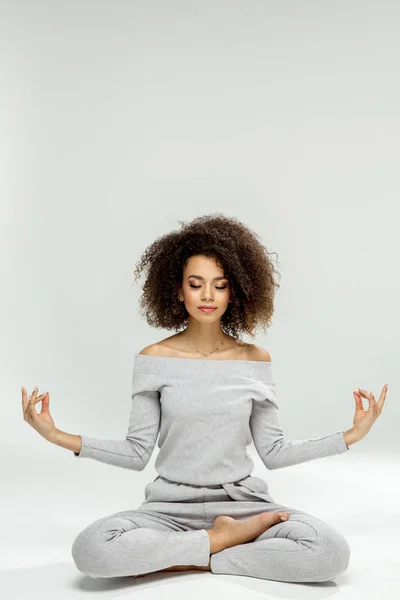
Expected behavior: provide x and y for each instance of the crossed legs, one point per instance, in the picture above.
(132, 544)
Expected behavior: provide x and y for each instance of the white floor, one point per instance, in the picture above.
(358, 494)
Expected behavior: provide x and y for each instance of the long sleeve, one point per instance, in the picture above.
(276, 452)
(135, 450)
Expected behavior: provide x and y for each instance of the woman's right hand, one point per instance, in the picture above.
(42, 422)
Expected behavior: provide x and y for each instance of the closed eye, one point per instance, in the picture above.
(198, 286)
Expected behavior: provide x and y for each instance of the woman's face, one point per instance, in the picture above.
(204, 283)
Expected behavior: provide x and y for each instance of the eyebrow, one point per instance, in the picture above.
(202, 278)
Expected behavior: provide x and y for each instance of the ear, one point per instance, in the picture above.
(179, 293)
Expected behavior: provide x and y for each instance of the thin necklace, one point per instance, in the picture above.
(216, 350)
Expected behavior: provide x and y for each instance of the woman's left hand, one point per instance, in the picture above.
(364, 419)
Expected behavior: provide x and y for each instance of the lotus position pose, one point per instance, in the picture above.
(206, 395)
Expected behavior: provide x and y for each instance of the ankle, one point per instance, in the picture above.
(217, 542)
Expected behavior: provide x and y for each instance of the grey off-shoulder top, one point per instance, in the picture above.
(206, 412)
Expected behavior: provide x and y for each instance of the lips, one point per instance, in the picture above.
(207, 308)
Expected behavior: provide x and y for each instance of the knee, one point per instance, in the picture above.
(334, 556)
(86, 550)
(330, 549)
(341, 549)
(81, 552)
(96, 551)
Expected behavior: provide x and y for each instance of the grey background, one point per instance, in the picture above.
(117, 119)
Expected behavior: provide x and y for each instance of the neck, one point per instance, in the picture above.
(204, 337)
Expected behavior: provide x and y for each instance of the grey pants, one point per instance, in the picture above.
(169, 528)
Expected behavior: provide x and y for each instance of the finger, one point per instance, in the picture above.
(382, 397)
(32, 401)
(35, 390)
(45, 403)
(365, 394)
(373, 408)
(24, 399)
(372, 402)
(359, 404)
(25, 402)
(38, 398)
(29, 398)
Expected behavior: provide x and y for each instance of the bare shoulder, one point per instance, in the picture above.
(243, 351)
(157, 349)
(255, 352)
(166, 347)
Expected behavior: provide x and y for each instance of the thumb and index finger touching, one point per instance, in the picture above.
(370, 397)
(34, 399)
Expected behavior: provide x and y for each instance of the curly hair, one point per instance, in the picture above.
(237, 249)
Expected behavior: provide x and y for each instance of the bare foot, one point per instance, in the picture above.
(227, 532)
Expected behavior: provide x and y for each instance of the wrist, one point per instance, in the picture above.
(350, 437)
(53, 437)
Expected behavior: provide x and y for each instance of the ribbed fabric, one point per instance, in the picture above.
(123, 549)
(206, 413)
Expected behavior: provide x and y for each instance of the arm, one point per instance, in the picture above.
(135, 450)
(276, 452)
(67, 440)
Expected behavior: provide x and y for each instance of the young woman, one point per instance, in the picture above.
(207, 394)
